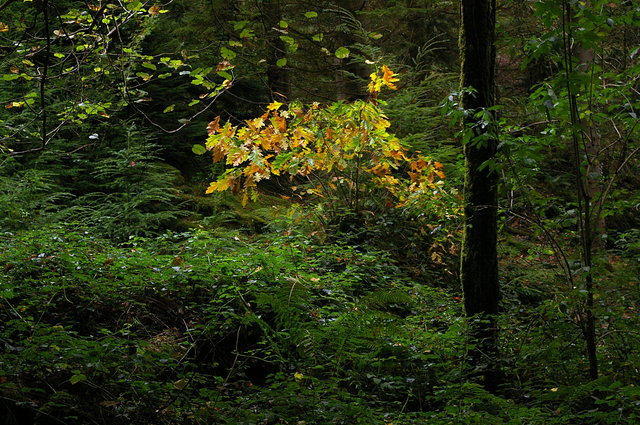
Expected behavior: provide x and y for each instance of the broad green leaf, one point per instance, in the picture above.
(318, 37)
(311, 14)
(198, 149)
(77, 378)
(283, 24)
(281, 62)
(169, 108)
(247, 33)
(342, 53)
(134, 6)
(287, 39)
(227, 53)
(143, 75)
(238, 25)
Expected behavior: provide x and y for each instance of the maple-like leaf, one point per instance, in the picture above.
(274, 106)
(219, 185)
(213, 126)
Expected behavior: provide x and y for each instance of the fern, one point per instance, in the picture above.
(28, 198)
(136, 196)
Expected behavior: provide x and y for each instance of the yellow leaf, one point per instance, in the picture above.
(255, 124)
(180, 384)
(298, 375)
(154, 10)
(380, 169)
(274, 106)
(4, 27)
(219, 186)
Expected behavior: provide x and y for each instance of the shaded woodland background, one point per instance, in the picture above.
(129, 296)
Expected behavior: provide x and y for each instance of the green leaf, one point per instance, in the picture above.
(247, 33)
(318, 37)
(77, 378)
(169, 108)
(283, 24)
(198, 149)
(375, 35)
(238, 25)
(342, 53)
(311, 14)
(281, 62)
(227, 53)
(135, 6)
(287, 39)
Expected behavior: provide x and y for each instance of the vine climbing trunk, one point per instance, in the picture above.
(479, 264)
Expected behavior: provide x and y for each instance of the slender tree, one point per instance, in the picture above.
(479, 265)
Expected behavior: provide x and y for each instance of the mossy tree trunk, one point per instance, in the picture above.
(479, 264)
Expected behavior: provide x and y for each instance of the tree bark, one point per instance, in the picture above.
(479, 264)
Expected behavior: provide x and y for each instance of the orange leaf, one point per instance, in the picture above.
(154, 10)
(380, 169)
(224, 65)
(397, 155)
(281, 124)
(213, 126)
(388, 77)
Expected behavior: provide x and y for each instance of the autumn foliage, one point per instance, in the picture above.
(340, 152)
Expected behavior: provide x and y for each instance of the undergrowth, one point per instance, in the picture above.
(273, 329)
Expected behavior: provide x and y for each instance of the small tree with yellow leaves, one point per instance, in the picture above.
(341, 153)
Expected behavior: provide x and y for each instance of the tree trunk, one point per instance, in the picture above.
(479, 264)
(588, 170)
